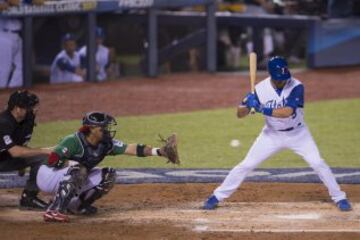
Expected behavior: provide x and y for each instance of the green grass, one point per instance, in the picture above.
(205, 136)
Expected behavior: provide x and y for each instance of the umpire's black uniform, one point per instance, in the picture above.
(13, 133)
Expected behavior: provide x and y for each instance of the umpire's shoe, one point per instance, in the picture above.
(344, 205)
(30, 201)
(211, 203)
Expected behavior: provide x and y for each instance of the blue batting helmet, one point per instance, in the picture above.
(278, 69)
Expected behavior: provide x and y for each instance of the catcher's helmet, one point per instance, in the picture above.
(100, 119)
(22, 99)
(278, 69)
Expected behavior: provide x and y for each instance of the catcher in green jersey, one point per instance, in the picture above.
(71, 173)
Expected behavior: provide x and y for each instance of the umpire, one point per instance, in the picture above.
(16, 126)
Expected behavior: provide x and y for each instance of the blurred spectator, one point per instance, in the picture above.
(291, 42)
(114, 70)
(66, 65)
(102, 56)
(11, 57)
(266, 46)
(232, 38)
(10, 49)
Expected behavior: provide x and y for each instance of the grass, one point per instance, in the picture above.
(205, 136)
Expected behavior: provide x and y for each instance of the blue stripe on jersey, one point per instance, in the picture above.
(296, 98)
(64, 65)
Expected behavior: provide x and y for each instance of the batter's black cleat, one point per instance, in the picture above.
(29, 201)
(87, 210)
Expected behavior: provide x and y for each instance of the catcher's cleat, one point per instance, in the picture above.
(211, 203)
(55, 216)
(30, 201)
(344, 205)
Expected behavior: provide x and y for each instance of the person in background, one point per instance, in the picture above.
(11, 56)
(66, 66)
(102, 56)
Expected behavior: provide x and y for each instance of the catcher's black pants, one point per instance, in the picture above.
(13, 164)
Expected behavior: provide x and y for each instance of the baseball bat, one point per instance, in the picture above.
(253, 67)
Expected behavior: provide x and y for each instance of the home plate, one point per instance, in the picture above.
(308, 216)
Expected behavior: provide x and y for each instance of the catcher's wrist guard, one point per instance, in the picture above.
(140, 150)
(155, 152)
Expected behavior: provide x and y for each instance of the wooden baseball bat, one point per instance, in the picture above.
(253, 68)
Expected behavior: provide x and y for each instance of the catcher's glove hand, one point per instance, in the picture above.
(169, 150)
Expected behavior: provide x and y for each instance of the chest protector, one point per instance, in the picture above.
(93, 155)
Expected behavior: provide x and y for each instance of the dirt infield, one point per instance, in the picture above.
(177, 93)
(172, 211)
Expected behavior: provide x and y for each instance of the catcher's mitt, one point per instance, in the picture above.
(169, 150)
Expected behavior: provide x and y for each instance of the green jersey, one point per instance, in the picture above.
(75, 147)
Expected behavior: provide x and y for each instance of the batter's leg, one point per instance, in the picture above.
(264, 146)
(306, 148)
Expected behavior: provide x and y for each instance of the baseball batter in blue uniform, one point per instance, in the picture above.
(280, 98)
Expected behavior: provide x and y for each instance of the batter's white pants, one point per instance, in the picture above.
(270, 142)
(11, 57)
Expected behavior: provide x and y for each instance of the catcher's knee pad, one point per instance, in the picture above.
(69, 187)
(95, 193)
(108, 180)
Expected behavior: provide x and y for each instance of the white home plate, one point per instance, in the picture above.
(308, 216)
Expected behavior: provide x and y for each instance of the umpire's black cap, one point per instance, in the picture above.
(22, 99)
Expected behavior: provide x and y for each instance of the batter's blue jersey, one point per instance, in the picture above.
(292, 95)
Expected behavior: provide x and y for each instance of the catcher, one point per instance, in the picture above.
(78, 183)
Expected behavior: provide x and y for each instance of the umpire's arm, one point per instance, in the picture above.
(21, 151)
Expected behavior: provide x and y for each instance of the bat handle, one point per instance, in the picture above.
(252, 110)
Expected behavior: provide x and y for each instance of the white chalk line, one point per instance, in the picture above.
(265, 230)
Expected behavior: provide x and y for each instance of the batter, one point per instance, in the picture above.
(280, 98)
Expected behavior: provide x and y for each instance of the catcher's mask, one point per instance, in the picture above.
(103, 120)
